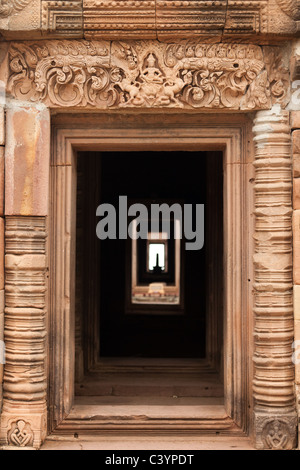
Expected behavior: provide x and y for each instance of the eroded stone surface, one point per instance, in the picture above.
(20, 18)
(27, 156)
(297, 303)
(2, 125)
(296, 252)
(1, 181)
(296, 193)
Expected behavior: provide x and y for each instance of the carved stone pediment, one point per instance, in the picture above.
(147, 74)
(149, 19)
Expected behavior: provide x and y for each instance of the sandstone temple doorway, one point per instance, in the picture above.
(192, 387)
(225, 82)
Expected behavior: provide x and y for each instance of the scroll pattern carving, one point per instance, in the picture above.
(9, 7)
(278, 75)
(25, 332)
(142, 74)
(271, 85)
(273, 383)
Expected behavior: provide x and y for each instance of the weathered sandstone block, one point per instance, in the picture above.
(27, 161)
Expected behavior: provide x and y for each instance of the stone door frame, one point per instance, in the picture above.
(198, 132)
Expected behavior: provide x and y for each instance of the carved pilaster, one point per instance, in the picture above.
(273, 387)
(23, 420)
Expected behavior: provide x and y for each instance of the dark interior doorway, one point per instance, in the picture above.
(102, 279)
(156, 177)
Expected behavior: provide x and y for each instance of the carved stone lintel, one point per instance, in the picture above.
(147, 74)
(277, 432)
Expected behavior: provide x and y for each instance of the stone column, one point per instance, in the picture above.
(275, 418)
(24, 414)
(2, 147)
(294, 106)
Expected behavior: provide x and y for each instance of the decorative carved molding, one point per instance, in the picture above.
(9, 7)
(144, 74)
(20, 434)
(273, 384)
(276, 433)
(247, 18)
(272, 85)
(152, 19)
(195, 17)
(278, 75)
(62, 18)
(290, 8)
(24, 387)
(172, 19)
(119, 20)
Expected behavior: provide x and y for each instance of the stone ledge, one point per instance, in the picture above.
(147, 19)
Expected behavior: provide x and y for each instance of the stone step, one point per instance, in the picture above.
(151, 385)
(172, 443)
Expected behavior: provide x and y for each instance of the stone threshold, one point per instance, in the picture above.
(172, 443)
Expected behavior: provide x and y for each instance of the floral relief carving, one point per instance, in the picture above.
(144, 74)
(20, 434)
(66, 73)
(9, 7)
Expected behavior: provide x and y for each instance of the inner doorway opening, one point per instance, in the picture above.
(173, 350)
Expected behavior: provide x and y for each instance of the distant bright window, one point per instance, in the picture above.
(155, 268)
(156, 258)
